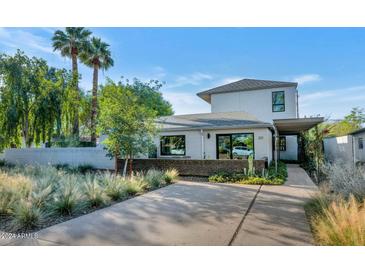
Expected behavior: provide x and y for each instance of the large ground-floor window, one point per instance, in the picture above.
(173, 145)
(235, 145)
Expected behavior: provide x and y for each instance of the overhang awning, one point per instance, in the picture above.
(296, 125)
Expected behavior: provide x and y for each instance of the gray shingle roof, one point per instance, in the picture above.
(245, 85)
(218, 120)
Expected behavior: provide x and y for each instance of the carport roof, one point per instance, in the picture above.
(220, 120)
(296, 125)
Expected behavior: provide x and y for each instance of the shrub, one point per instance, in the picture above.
(170, 175)
(42, 192)
(281, 173)
(68, 199)
(114, 187)
(260, 181)
(154, 178)
(220, 177)
(346, 179)
(342, 223)
(84, 168)
(252, 177)
(26, 216)
(94, 193)
(134, 185)
(13, 188)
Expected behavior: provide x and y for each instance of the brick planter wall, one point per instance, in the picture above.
(192, 167)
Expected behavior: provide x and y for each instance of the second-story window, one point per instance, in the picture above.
(278, 101)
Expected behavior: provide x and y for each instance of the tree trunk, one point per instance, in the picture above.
(26, 130)
(116, 157)
(125, 167)
(94, 104)
(130, 165)
(75, 79)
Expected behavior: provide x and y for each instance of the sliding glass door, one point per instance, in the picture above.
(235, 145)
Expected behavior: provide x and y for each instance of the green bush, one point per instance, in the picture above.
(252, 177)
(170, 175)
(260, 181)
(94, 193)
(26, 216)
(68, 198)
(282, 172)
(154, 178)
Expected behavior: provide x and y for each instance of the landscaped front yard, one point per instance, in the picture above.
(34, 197)
(337, 213)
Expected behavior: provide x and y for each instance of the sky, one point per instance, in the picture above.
(327, 63)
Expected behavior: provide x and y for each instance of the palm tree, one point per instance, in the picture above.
(97, 56)
(71, 43)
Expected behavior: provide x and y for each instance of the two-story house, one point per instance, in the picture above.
(248, 117)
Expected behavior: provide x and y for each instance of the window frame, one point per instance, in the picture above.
(231, 146)
(272, 101)
(361, 143)
(164, 136)
(280, 140)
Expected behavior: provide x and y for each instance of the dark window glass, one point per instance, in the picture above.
(173, 145)
(235, 146)
(361, 143)
(282, 143)
(278, 101)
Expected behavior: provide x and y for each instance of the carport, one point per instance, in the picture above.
(292, 127)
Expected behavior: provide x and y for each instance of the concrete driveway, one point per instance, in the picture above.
(190, 213)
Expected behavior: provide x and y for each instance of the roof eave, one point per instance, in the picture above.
(206, 95)
(263, 125)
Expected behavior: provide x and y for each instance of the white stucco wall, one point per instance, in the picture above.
(52, 156)
(291, 152)
(359, 153)
(258, 103)
(193, 142)
(338, 148)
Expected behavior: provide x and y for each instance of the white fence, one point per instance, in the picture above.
(95, 156)
(339, 149)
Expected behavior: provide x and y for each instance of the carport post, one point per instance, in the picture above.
(276, 144)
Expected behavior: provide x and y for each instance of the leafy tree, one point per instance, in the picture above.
(32, 95)
(97, 56)
(149, 94)
(350, 123)
(128, 124)
(71, 43)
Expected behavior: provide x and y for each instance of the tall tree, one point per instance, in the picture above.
(128, 124)
(71, 43)
(29, 99)
(97, 56)
(149, 94)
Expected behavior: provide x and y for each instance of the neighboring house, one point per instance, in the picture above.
(348, 148)
(245, 118)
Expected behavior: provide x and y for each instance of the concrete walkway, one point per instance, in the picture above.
(189, 213)
(277, 217)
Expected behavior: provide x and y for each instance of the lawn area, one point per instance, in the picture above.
(337, 213)
(250, 176)
(34, 197)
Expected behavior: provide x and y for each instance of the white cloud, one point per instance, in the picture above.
(231, 79)
(186, 103)
(24, 40)
(193, 79)
(307, 78)
(334, 103)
